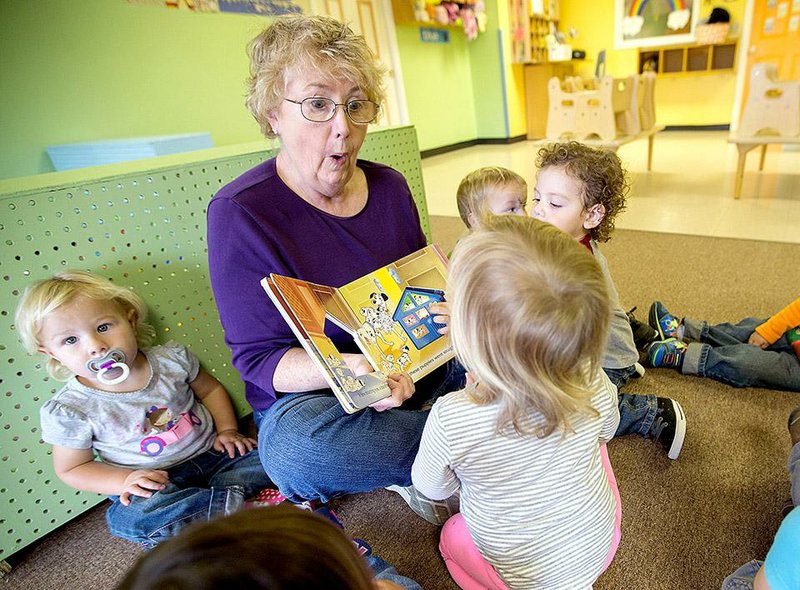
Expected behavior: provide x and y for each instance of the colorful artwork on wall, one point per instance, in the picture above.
(648, 23)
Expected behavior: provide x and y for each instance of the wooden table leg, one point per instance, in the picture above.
(743, 149)
(763, 157)
(650, 151)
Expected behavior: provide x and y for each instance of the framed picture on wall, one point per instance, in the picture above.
(649, 23)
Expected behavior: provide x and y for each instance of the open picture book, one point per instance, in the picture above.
(385, 311)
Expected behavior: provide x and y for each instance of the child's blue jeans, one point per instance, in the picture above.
(721, 352)
(211, 484)
(636, 411)
(312, 449)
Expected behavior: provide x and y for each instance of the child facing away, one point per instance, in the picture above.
(580, 190)
(581, 180)
(164, 430)
(523, 443)
(751, 353)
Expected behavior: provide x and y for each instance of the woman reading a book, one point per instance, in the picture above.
(317, 213)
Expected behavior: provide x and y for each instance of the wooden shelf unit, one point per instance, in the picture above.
(530, 30)
(403, 12)
(537, 101)
(688, 59)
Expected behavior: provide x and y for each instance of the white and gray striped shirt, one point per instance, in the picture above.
(540, 510)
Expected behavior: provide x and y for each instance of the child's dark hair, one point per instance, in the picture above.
(601, 173)
(279, 547)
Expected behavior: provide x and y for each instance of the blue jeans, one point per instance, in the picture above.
(209, 485)
(794, 473)
(721, 352)
(386, 571)
(742, 578)
(636, 412)
(312, 449)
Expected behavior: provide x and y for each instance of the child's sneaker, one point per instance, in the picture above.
(666, 353)
(643, 334)
(669, 426)
(434, 511)
(666, 324)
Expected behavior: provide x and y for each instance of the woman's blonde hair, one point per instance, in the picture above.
(44, 297)
(301, 42)
(529, 319)
(478, 184)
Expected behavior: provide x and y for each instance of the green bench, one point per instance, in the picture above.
(142, 224)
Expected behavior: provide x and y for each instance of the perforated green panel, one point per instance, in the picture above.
(144, 228)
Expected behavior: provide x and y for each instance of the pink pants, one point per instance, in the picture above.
(472, 572)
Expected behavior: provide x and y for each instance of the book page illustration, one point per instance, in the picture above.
(387, 314)
(397, 332)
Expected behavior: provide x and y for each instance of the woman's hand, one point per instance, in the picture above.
(143, 483)
(441, 315)
(231, 440)
(757, 339)
(401, 387)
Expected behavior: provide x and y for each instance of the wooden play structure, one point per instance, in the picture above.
(603, 111)
(771, 116)
(773, 106)
(606, 107)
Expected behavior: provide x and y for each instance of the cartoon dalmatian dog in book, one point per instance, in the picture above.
(382, 321)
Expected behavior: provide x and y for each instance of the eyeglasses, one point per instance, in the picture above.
(319, 109)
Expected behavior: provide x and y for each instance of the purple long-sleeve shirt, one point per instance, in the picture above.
(258, 226)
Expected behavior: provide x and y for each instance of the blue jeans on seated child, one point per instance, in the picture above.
(794, 473)
(385, 571)
(211, 484)
(636, 412)
(312, 449)
(721, 352)
(742, 578)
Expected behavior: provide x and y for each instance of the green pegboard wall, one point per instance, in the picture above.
(144, 227)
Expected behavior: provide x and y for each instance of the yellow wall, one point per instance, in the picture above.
(513, 76)
(693, 99)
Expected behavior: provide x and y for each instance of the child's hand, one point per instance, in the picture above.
(357, 363)
(401, 387)
(143, 482)
(757, 339)
(386, 585)
(231, 440)
(441, 315)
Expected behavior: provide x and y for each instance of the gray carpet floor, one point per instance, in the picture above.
(686, 523)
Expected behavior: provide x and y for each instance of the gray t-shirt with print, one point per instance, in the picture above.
(155, 427)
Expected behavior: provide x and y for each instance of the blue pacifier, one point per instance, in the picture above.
(111, 369)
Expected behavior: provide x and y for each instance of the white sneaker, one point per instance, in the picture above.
(434, 511)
